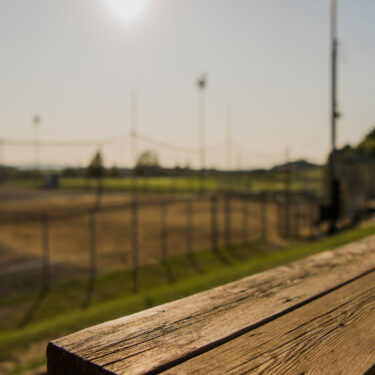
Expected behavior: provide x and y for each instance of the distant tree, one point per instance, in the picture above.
(96, 167)
(96, 170)
(347, 150)
(114, 172)
(367, 145)
(147, 163)
(71, 172)
(148, 158)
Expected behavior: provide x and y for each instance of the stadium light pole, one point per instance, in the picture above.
(37, 119)
(229, 138)
(133, 125)
(201, 85)
(333, 167)
(134, 140)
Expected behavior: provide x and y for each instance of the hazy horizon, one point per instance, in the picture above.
(75, 63)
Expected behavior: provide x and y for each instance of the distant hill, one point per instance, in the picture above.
(295, 166)
(7, 167)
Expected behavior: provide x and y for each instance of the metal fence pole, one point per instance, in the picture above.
(303, 214)
(134, 242)
(163, 232)
(312, 218)
(287, 215)
(92, 246)
(305, 206)
(214, 231)
(279, 210)
(291, 216)
(297, 223)
(45, 253)
(245, 221)
(264, 217)
(99, 190)
(189, 227)
(228, 221)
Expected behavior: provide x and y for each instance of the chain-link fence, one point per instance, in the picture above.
(40, 248)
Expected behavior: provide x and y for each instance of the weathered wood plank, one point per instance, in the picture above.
(334, 334)
(159, 338)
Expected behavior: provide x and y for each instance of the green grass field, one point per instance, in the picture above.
(253, 182)
(309, 180)
(37, 318)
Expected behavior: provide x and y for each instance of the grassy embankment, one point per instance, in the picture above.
(65, 308)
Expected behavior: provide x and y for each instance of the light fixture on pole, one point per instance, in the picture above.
(202, 84)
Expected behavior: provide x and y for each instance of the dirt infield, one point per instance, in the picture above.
(70, 240)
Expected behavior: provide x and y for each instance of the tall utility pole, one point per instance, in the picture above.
(202, 84)
(229, 138)
(333, 168)
(133, 127)
(37, 119)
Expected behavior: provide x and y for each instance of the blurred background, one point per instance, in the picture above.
(145, 144)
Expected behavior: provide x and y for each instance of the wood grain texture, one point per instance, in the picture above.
(160, 338)
(334, 334)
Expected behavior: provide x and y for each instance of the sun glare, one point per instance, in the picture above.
(127, 9)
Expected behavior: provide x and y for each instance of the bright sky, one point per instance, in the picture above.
(75, 63)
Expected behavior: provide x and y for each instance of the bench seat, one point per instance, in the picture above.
(313, 316)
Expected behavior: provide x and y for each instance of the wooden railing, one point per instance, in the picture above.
(314, 316)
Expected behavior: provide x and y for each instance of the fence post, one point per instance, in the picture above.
(292, 218)
(214, 242)
(163, 232)
(189, 227)
(228, 223)
(245, 221)
(303, 215)
(287, 215)
(134, 241)
(45, 252)
(302, 210)
(92, 246)
(297, 224)
(312, 218)
(264, 217)
(279, 210)
(99, 190)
